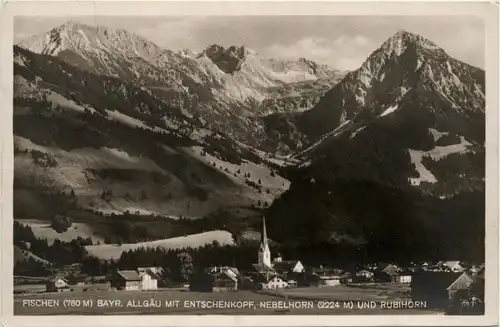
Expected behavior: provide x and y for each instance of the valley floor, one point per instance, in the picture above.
(323, 301)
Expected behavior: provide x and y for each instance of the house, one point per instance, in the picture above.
(155, 270)
(364, 273)
(57, 284)
(233, 271)
(453, 266)
(270, 282)
(328, 276)
(329, 280)
(225, 281)
(404, 277)
(362, 276)
(386, 273)
(128, 280)
(439, 288)
(149, 278)
(288, 266)
(346, 278)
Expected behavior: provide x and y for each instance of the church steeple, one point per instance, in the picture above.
(264, 232)
(264, 252)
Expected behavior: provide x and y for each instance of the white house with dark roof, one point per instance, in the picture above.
(149, 278)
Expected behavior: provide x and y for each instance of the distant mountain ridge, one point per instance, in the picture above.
(219, 86)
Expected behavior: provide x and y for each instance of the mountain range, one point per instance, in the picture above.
(385, 155)
(209, 86)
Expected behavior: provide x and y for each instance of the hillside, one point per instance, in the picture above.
(225, 89)
(396, 157)
(406, 112)
(96, 142)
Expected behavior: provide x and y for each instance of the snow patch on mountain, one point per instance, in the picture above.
(389, 110)
(353, 135)
(437, 134)
(437, 153)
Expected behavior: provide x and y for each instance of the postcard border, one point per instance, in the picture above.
(488, 11)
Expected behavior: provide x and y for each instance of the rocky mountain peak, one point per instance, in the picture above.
(228, 59)
(81, 38)
(403, 40)
(406, 68)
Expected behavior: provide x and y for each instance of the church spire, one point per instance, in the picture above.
(264, 231)
(264, 252)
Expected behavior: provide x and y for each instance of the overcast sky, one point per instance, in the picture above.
(341, 41)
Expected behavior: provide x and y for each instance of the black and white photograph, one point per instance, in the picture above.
(249, 165)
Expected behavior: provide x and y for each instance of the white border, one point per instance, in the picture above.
(488, 11)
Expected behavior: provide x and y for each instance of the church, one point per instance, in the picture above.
(272, 274)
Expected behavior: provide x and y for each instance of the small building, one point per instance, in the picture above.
(271, 282)
(57, 284)
(364, 273)
(262, 269)
(329, 280)
(233, 271)
(327, 276)
(386, 273)
(346, 278)
(404, 277)
(288, 266)
(149, 279)
(453, 266)
(439, 288)
(362, 276)
(127, 280)
(225, 281)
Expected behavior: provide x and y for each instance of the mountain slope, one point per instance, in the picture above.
(396, 158)
(222, 88)
(409, 100)
(98, 143)
(405, 67)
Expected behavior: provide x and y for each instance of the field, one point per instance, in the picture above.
(113, 251)
(327, 300)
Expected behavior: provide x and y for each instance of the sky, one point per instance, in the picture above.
(343, 42)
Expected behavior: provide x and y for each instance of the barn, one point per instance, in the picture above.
(128, 280)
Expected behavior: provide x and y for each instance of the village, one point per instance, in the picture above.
(450, 286)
